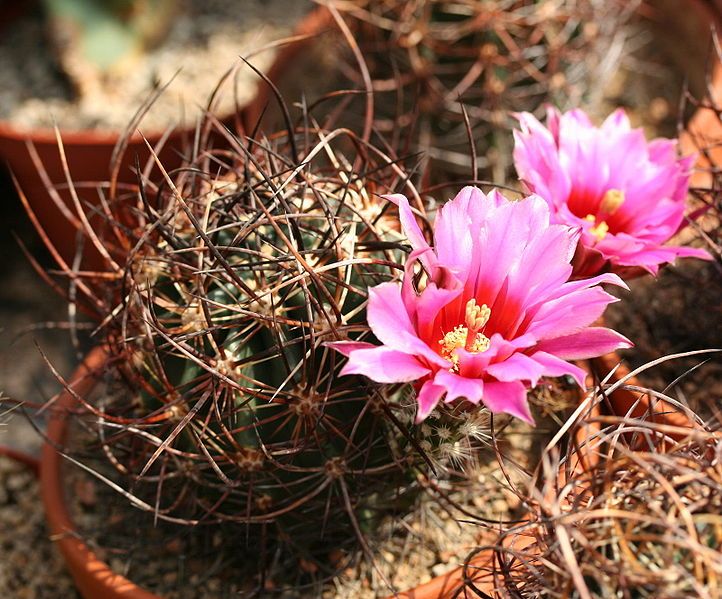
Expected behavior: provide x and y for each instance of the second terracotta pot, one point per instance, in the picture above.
(90, 154)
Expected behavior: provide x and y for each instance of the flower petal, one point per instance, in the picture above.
(501, 247)
(651, 255)
(570, 313)
(588, 343)
(408, 221)
(453, 229)
(509, 398)
(442, 288)
(554, 366)
(536, 158)
(390, 322)
(573, 165)
(473, 365)
(346, 347)
(517, 367)
(459, 387)
(384, 365)
(618, 120)
(606, 278)
(429, 395)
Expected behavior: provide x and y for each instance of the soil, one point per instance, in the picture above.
(205, 41)
(30, 568)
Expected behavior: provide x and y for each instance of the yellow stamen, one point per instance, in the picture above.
(599, 230)
(469, 337)
(476, 319)
(476, 316)
(611, 201)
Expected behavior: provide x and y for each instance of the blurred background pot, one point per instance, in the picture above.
(89, 156)
(33, 156)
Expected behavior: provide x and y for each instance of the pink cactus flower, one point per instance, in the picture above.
(626, 194)
(494, 313)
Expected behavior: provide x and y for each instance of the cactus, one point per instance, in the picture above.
(427, 57)
(95, 37)
(640, 521)
(237, 268)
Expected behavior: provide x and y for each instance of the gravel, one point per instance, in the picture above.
(31, 567)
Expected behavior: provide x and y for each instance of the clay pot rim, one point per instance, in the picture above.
(78, 137)
(89, 572)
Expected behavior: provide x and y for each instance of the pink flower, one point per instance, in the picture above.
(495, 312)
(627, 195)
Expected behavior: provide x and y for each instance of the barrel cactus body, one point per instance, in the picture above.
(228, 410)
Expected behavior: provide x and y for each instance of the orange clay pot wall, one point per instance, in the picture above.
(94, 578)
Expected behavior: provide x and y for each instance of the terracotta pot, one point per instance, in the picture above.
(94, 579)
(90, 153)
(623, 402)
(315, 23)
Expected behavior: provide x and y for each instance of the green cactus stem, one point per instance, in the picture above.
(94, 38)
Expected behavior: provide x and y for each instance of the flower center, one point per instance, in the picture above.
(610, 203)
(600, 229)
(467, 335)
